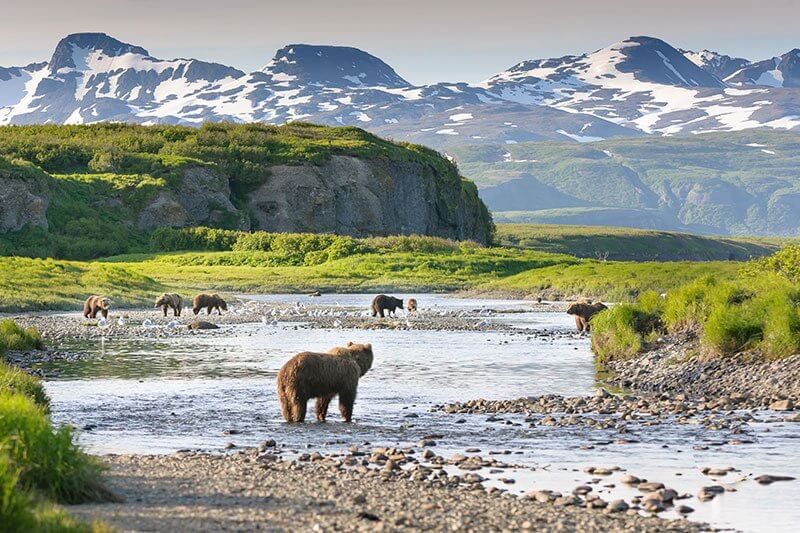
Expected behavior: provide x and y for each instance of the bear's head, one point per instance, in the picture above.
(222, 303)
(104, 303)
(162, 300)
(578, 308)
(362, 354)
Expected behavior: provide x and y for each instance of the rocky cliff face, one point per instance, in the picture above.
(346, 195)
(359, 197)
(23, 202)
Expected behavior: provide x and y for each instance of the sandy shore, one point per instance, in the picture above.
(249, 490)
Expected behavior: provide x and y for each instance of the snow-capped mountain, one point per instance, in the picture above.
(781, 71)
(645, 83)
(720, 65)
(637, 86)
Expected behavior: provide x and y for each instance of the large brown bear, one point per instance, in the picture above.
(95, 304)
(209, 302)
(322, 376)
(583, 311)
(170, 300)
(411, 305)
(383, 303)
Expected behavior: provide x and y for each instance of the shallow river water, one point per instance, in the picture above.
(143, 395)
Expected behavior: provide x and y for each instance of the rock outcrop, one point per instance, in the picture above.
(23, 202)
(202, 199)
(361, 197)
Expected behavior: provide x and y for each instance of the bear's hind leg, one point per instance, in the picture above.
(322, 406)
(299, 407)
(346, 401)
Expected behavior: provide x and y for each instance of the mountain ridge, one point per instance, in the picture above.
(641, 85)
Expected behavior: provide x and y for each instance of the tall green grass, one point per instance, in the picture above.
(759, 314)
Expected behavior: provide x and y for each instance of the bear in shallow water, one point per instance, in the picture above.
(170, 300)
(95, 304)
(583, 311)
(382, 303)
(322, 376)
(209, 302)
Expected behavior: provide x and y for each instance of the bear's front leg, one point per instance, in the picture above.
(346, 401)
(322, 407)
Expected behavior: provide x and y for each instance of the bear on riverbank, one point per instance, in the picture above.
(383, 303)
(170, 300)
(209, 302)
(583, 311)
(95, 304)
(411, 305)
(322, 376)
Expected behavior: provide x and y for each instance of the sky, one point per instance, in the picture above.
(424, 40)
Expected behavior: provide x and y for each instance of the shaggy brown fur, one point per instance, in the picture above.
(383, 303)
(95, 304)
(411, 305)
(209, 302)
(170, 300)
(322, 376)
(583, 311)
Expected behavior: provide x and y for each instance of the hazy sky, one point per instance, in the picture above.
(424, 40)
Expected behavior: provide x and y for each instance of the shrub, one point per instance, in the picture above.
(53, 463)
(13, 337)
(620, 331)
(198, 238)
(15, 380)
(687, 307)
(258, 241)
(732, 328)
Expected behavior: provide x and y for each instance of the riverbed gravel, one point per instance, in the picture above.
(252, 489)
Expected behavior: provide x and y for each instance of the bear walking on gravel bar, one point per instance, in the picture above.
(383, 303)
(95, 304)
(583, 311)
(170, 300)
(411, 305)
(209, 302)
(322, 376)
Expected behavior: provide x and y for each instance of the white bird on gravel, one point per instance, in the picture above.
(337, 324)
(102, 323)
(120, 321)
(147, 322)
(174, 324)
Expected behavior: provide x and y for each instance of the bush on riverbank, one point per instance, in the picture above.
(37, 461)
(755, 313)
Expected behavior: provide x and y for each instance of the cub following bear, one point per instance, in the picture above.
(411, 305)
(583, 311)
(209, 302)
(383, 303)
(170, 301)
(322, 376)
(95, 304)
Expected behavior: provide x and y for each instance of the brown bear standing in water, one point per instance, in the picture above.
(411, 305)
(322, 376)
(383, 303)
(583, 311)
(93, 304)
(209, 302)
(170, 300)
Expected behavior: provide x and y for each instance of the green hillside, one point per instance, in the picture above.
(743, 183)
(625, 244)
(76, 191)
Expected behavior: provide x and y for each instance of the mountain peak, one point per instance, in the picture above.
(340, 66)
(63, 56)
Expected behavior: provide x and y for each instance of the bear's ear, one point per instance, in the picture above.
(349, 343)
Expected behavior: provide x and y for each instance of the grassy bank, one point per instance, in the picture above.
(336, 264)
(756, 312)
(627, 244)
(39, 464)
